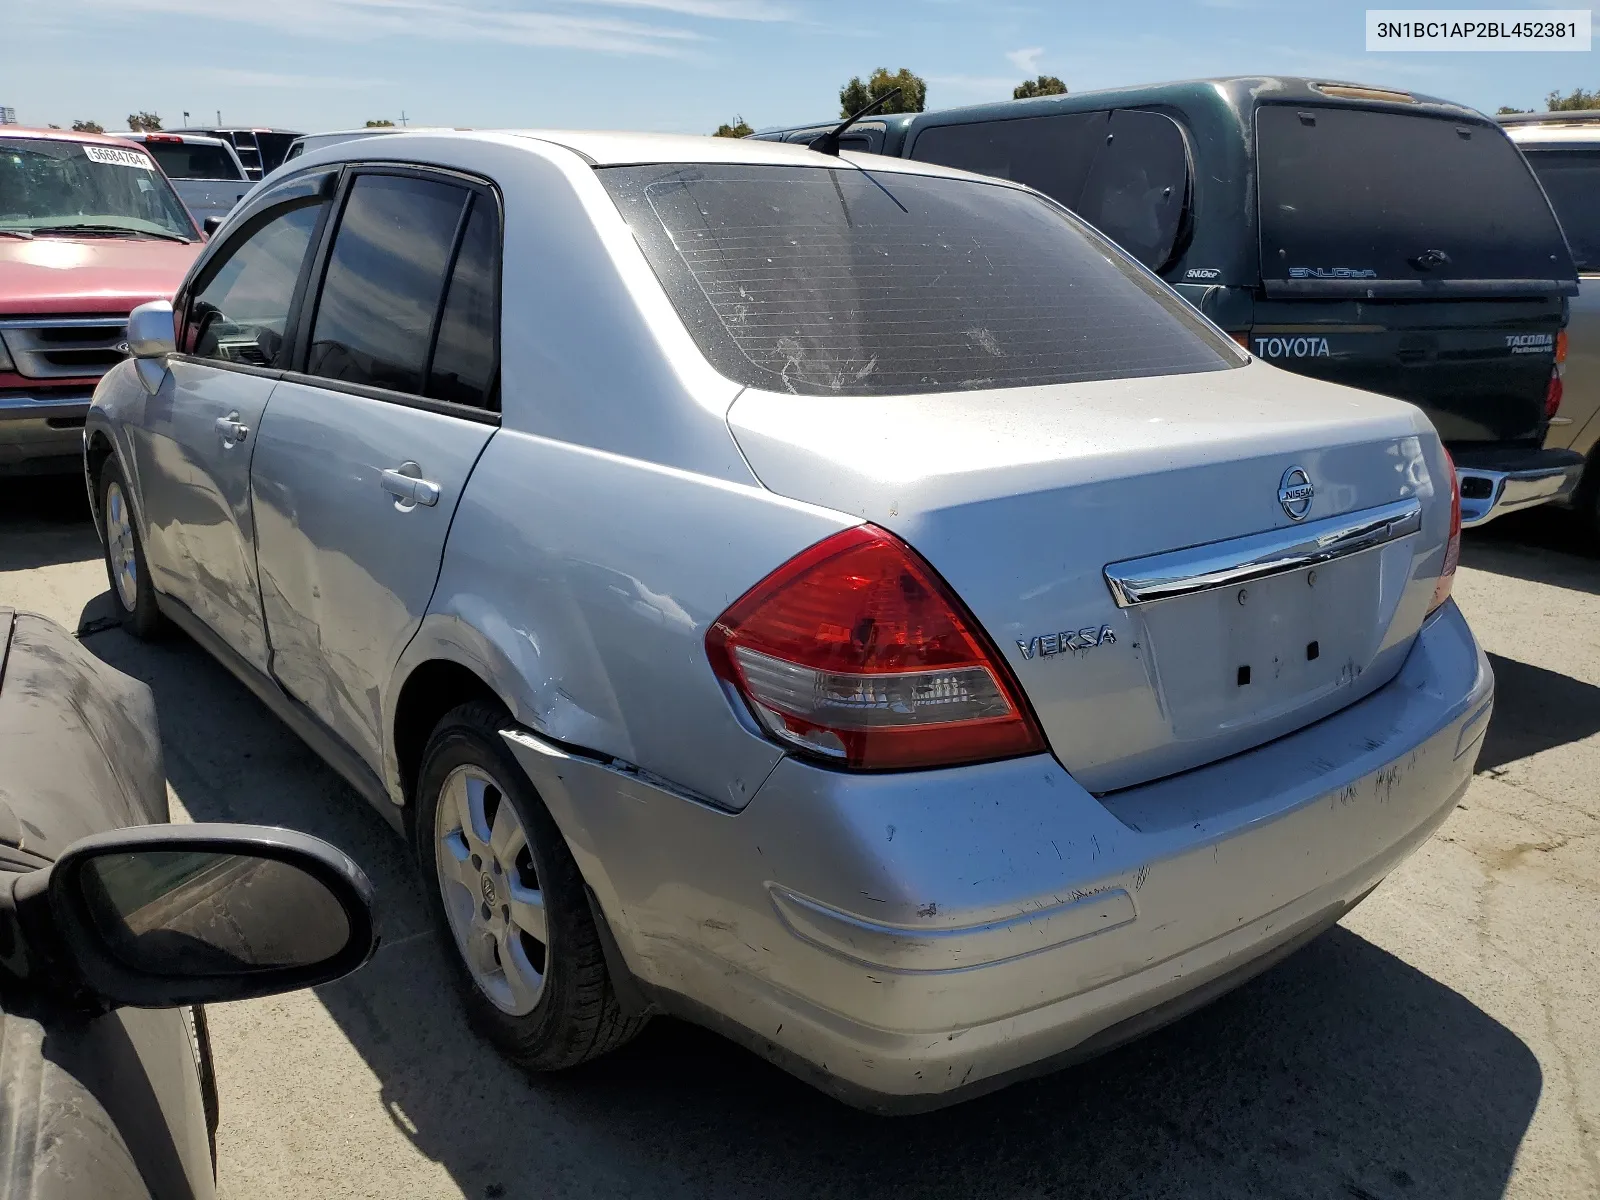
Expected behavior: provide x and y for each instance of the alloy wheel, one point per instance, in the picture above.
(120, 546)
(491, 889)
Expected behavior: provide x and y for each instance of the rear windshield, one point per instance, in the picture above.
(839, 281)
(1571, 179)
(193, 160)
(1352, 198)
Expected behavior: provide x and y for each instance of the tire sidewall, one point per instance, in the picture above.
(455, 745)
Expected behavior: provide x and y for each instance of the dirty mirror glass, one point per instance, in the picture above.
(199, 912)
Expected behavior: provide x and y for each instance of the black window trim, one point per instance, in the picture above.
(261, 211)
(298, 333)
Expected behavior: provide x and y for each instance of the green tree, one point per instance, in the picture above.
(380, 124)
(1574, 101)
(740, 128)
(913, 97)
(144, 122)
(1045, 85)
(1506, 110)
(88, 127)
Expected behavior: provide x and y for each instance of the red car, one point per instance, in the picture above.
(89, 229)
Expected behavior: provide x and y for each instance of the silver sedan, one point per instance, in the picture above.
(844, 602)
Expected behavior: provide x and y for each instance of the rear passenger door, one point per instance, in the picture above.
(371, 437)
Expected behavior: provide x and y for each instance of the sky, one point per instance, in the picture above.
(674, 65)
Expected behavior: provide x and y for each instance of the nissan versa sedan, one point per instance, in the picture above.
(845, 602)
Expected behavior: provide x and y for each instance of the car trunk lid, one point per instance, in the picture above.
(1026, 499)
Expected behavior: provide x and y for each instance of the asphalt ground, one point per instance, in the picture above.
(1441, 1042)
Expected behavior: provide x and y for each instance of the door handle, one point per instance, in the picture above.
(229, 428)
(409, 489)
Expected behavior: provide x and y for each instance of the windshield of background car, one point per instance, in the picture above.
(840, 281)
(1355, 195)
(1571, 179)
(46, 183)
(194, 160)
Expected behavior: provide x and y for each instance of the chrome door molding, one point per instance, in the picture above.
(1259, 555)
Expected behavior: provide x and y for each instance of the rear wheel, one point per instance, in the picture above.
(509, 902)
(131, 591)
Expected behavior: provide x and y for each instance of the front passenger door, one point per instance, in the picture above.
(369, 442)
(192, 449)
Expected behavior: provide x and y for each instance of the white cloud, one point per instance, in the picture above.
(502, 21)
(976, 83)
(1027, 60)
(229, 77)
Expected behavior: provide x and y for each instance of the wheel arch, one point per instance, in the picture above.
(430, 689)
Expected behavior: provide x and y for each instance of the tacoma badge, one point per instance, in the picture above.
(1047, 644)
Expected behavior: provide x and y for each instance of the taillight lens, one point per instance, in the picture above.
(1552, 394)
(856, 652)
(1561, 347)
(1452, 548)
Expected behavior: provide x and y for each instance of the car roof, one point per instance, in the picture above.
(63, 135)
(609, 148)
(1236, 94)
(1553, 128)
(139, 135)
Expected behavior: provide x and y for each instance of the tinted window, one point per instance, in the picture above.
(239, 313)
(821, 281)
(1124, 172)
(1138, 185)
(1571, 179)
(274, 147)
(191, 160)
(1351, 195)
(464, 356)
(384, 281)
(1051, 154)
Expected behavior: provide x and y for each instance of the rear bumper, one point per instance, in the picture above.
(42, 431)
(908, 940)
(1495, 484)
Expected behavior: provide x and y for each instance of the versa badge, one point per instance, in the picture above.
(1048, 644)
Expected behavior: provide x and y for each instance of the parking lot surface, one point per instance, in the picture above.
(1440, 1043)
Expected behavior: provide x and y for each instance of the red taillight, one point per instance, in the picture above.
(1552, 394)
(1452, 548)
(163, 137)
(1561, 347)
(856, 652)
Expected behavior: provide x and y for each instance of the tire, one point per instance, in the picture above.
(132, 594)
(545, 1005)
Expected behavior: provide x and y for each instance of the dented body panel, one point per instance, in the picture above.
(906, 941)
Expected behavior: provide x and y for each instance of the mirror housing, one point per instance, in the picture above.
(213, 223)
(151, 337)
(159, 916)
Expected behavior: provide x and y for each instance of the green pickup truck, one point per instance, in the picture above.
(1378, 238)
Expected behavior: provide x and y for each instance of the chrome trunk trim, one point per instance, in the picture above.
(1259, 555)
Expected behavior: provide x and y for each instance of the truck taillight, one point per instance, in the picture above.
(1561, 347)
(1552, 393)
(857, 653)
(1452, 548)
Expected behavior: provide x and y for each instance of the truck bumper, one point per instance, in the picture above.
(1494, 483)
(42, 432)
(907, 940)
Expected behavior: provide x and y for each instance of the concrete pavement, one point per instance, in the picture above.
(1440, 1043)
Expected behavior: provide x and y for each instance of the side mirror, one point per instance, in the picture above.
(151, 338)
(164, 915)
(214, 222)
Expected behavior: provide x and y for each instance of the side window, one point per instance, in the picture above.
(465, 353)
(1571, 179)
(239, 314)
(385, 280)
(1049, 154)
(1136, 189)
